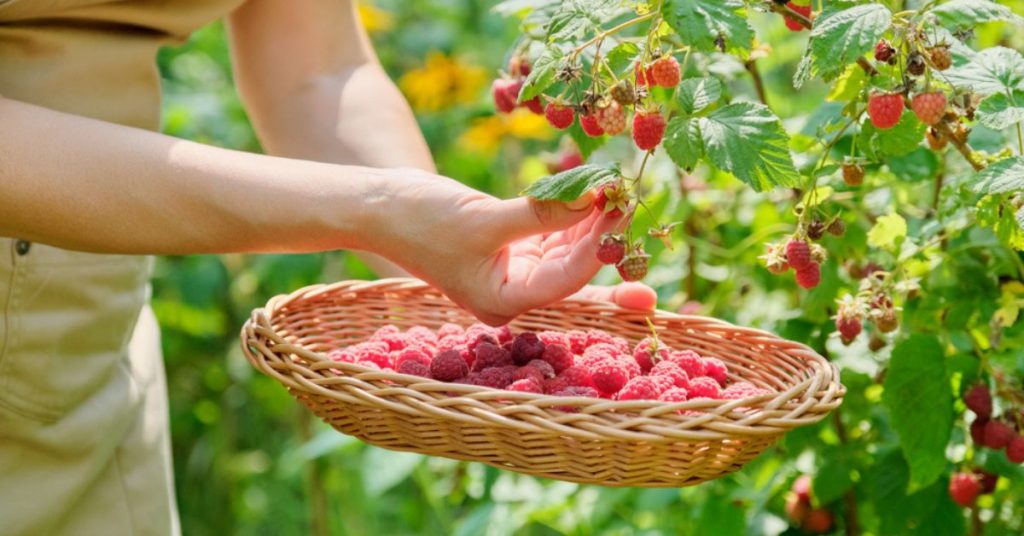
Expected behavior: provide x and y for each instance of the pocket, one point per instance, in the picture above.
(69, 317)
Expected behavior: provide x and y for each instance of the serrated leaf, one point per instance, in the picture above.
(899, 140)
(1000, 111)
(918, 398)
(1006, 175)
(848, 85)
(622, 56)
(512, 7)
(695, 94)
(993, 70)
(542, 74)
(841, 35)
(683, 142)
(747, 140)
(569, 185)
(576, 18)
(964, 14)
(700, 23)
(888, 231)
(586, 144)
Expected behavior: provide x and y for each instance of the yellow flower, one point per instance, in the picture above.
(525, 124)
(486, 134)
(441, 83)
(374, 18)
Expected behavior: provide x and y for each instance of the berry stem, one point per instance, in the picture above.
(942, 127)
(755, 75)
(600, 37)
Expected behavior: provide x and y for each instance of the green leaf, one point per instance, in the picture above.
(841, 35)
(622, 56)
(747, 139)
(993, 70)
(695, 94)
(888, 231)
(569, 185)
(700, 23)
(576, 18)
(899, 140)
(683, 142)
(512, 7)
(1002, 110)
(964, 14)
(919, 400)
(542, 74)
(586, 144)
(1006, 175)
(385, 469)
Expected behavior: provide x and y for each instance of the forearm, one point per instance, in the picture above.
(87, 185)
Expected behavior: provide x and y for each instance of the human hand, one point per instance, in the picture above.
(627, 295)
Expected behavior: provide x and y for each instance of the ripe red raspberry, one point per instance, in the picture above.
(448, 366)
(534, 105)
(802, 488)
(715, 369)
(577, 376)
(553, 337)
(411, 354)
(675, 394)
(373, 352)
(496, 377)
(810, 276)
(704, 387)
(644, 75)
(1015, 450)
(449, 330)
(525, 386)
(884, 51)
(503, 333)
(997, 434)
(743, 390)
(885, 109)
(979, 400)
(506, 94)
(577, 341)
(612, 199)
(578, 390)
(666, 72)
(671, 371)
(609, 376)
(529, 373)
(391, 336)
(612, 118)
(793, 24)
(819, 521)
(489, 356)
(519, 67)
(559, 115)
(544, 367)
(567, 160)
(414, 368)
(640, 388)
(648, 129)
(558, 356)
(476, 338)
(554, 385)
(798, 254)
(643, 356)
(526, 347)
(940, 57)
(633, 267)
(848, 327)
(342, 356)
(978, 431)
(611, 249)
(591, 127)
(689, 361)
(964, 488)
(929, 107)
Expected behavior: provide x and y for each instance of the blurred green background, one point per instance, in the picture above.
(249, 460)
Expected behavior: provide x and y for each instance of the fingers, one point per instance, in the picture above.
(522, 217)
(627, 295)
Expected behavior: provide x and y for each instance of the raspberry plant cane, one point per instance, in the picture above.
(907, 189)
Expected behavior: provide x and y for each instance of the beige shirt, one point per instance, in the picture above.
(84, 446)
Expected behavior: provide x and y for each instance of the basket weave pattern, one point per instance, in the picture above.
(588, 440)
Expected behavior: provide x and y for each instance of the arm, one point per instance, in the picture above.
(314, 89)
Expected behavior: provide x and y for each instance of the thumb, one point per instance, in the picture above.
(524, 216)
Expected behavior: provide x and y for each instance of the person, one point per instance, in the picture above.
(88, 190)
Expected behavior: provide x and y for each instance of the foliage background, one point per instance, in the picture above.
(250, 461)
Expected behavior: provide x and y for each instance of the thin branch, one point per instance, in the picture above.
(755, 75)
(611, 31)
(942, 127)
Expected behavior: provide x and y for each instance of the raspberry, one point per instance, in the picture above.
(978, 431)
(798, 254)
(490, 356)
(936, 141)
(612, 118)
(567, 160)
(848, 327)
(373, 352)
(940, 57)
(802, 488)
(503, 334)
(689, 361)
(885, 109)
(929, 107)
(559, 115)
(528, 373)
(837, 227)
(648, 129)
(794, 25)
(633, 267)
(505, 93)
(519, 66)
(525, 386)
(496, 377)
(671, 371)
(997, 435)
(987, 480)
(816, 229)
(640, 388)
(553, 337)
(704, 387)
(853, 174)
(390, 336)
(526, 347)
(414, 368)
(544, 367)
(715, 369)
(643, 357)
(675, 394)
(809, 277)
(448, 366)
(554, 385)
(449, 330)
(665, 72)
(819, 521)
(623, 93)
(796, 510)
(476, 340)
(644, 75)
(609, 376)
(884, 52)
(1015, 450)
(591, 127)
(612, 199)
(342, 356)
(916, 65)
(577, 341)
(558, 357)
(597, 336)
(743, 390)
(964, 488)
(611, 249)
(534, 106)
(577, 390)
(421, 333)
(411, 355)
(577, 376)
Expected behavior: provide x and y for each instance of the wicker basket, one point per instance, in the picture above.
(611, 443)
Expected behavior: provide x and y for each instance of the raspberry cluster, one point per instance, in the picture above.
(590, 363)
(801, 511)
(805, 259)
(997, 433)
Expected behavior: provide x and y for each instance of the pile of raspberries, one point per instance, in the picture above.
(590, 363)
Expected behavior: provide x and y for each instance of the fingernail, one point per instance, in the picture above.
(581, 202)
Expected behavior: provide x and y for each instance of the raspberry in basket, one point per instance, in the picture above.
(715, 369)
(489, 356)
(641, 388)
(675, 394)
(704, 387)
(475, 340)
(526, 347)
(373, 352)
(577, 376)
(609, 376)
(743, 390)
(670, 370)
(414, 368)
(391, 336)
(496, 377)
(689, 361)
(449, 366)
(525, 386)
(553, 337)
(555, 385)
(411, 354)
(449, 330)
(577, 341)
(543, 367)
(558, 356)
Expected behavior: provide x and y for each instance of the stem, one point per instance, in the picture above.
(755, 75)
(1020, 141)
(942, 127)
(977, 527)
(612, 30)
(314, 484)
(852, 523)
(937, 194)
